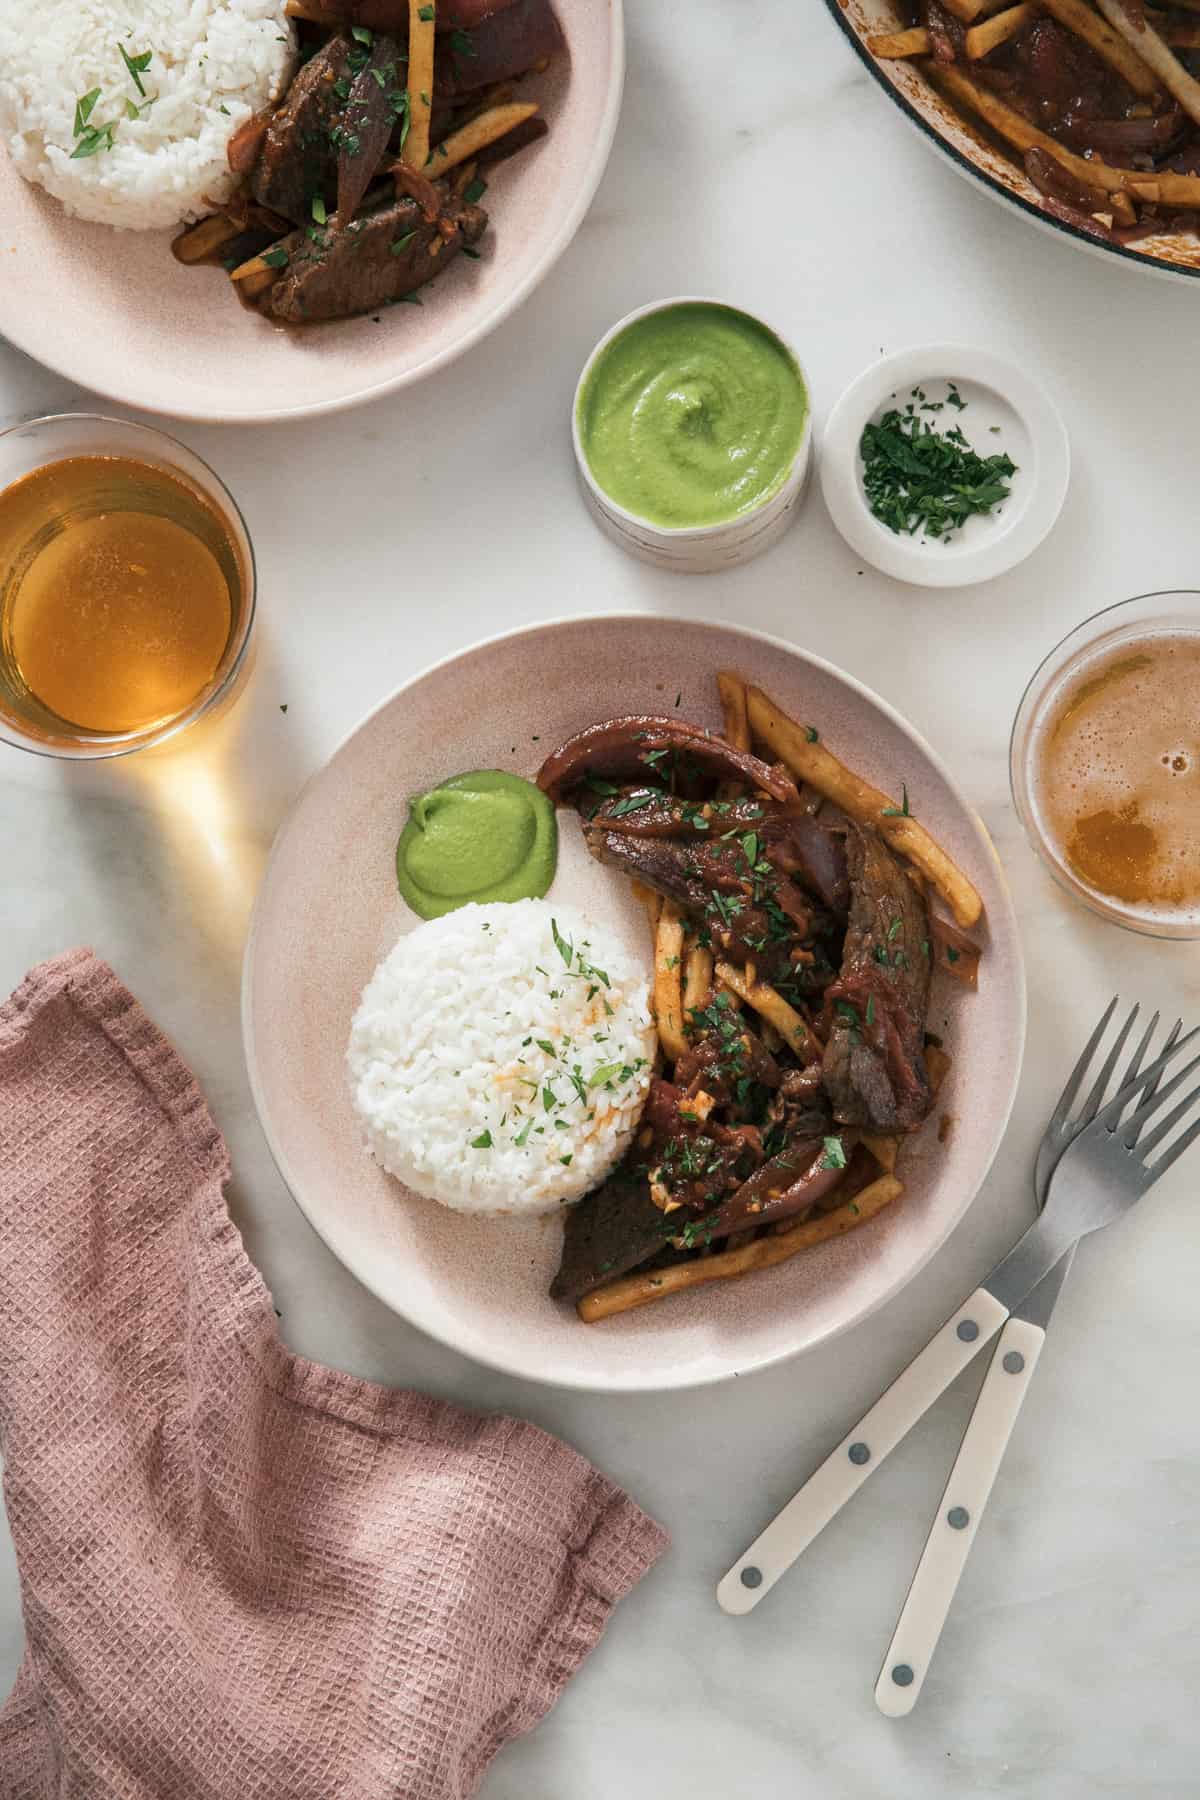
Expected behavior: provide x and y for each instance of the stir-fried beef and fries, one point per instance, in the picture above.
(1099, 101)
(364, 182)
(794, 947)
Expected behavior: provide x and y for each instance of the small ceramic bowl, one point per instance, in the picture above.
(1002, 410)
(700, 549)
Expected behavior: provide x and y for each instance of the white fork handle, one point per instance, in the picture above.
(860, 1452)
(957, 1519)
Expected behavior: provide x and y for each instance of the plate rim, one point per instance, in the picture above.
(572, 219)
(684, 1381)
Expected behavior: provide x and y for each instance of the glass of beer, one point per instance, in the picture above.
(127, 587)
(1105, 764)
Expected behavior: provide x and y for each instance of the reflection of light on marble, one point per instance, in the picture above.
(191, 789)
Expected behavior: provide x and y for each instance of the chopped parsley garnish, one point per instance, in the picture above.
(894, 929)
(461, 44)
(811, 733)
(482, 1142)
(361, 35)
(425, 14)
(632, 803)
(901, 811)
(523, 1134)
(845, 1011)
(318, 210)
(276, 257)
(952, 955)
(917, 478)
(84, 107)
(474, 254)
(136, 67)
(835, 1154)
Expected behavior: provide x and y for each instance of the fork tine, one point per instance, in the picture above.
(1148, 1108)
(1172, 1040)
(1177, 1149)
(1091, 1105)
(1063, 1109)
(1174, 1117)
(1110, 1115)
(1136, 1061)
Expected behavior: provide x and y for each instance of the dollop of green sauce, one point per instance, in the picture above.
(481, 836)
(692, 415)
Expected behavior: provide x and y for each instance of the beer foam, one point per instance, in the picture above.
(1117, 785)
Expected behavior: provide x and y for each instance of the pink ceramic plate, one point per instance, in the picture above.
(114, 311)
(329, 909)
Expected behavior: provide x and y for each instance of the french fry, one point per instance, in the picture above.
(884, 1149)
(668, 981)
(773, 1007)
(697, 977)
(892, 46)
(1011, 125)
(476, 135)
(807, 757)
(1166, 188)
(967, 11)
(421, 26)
(255, 266)
(1087, 24)
(736, 729)
(937, 1065)
(761, 1253)
(982, 39)
(202, 239)
(1142, 38)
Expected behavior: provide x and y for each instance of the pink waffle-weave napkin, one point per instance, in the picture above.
(244, 1577)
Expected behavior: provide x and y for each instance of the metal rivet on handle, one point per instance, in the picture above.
(968, 1330)
(902, 1675)
(859, 1453)
(958, 1517)
(751, 1577)
(1014, 1362)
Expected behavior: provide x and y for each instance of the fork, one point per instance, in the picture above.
(998, 1404)
(1091, 1170)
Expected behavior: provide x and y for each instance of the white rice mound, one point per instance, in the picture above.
(499, 1067)
(212, 64)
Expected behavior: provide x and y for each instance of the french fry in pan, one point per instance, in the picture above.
(761, 1253)
(982, 39)
(1087, 24)
(893, 46)
(800, 748)
(1145, 41)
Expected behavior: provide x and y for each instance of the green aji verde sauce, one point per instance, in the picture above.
(692, 415)
(481, 836)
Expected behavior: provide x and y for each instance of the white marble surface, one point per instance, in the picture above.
(1070, 1668)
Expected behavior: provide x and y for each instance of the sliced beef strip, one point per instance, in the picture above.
(874, 1065)
(643, 744)
(339, 273)
(499, 47)
(299, 154)
(689, 873)
(612, 1230)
